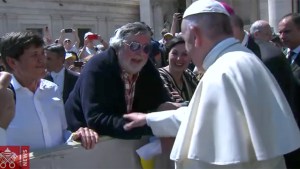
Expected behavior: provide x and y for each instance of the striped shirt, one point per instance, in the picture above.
(129, 84)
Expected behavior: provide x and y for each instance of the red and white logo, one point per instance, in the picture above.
(14, 157)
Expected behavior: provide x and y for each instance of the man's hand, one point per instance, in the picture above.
(177, 16)
(7, 103)
(87, 137)
(136, 120)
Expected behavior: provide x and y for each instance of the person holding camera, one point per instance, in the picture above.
(67, 43)
(90, 41)
(177, 17)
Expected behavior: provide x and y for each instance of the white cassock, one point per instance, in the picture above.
(237, 118)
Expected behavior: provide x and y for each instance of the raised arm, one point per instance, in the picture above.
(61, 37)
(175, 23)
(103, 42)
(76, 37)
(7, 103)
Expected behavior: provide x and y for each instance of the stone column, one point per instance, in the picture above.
(67, 21)
(263, 13)
(146, 12)
(158, 18)
(12, 23)
(3, 24)
(56, 25)
(254, 15)
(277, 9)
(102, 27)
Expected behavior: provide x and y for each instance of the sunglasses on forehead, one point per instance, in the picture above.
(135, 46)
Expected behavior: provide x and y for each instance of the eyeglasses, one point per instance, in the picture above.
(135, 46)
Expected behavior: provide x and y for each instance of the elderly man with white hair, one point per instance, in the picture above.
(118, 81)
(238, 117)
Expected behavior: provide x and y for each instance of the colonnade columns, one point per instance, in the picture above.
(146, 12)
(3, 24)
(158, 19)
(12, 21)
(151, 13)
(277, 9)
(56, 25)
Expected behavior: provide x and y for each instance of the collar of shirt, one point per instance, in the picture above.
(246, 38)
(60, 73)
(215, 53)
(125, 76)
(296, 52)
(41, 110)
(129, 89)
(90, 51)
(44, 84)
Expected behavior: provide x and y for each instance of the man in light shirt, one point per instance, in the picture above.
(64, 78)
(39, 120)
(238, 117)
(67, 43)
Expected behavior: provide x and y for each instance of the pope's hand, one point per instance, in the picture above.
(135, 120)
(87, 137)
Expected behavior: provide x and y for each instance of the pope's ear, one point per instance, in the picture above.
(197, 34)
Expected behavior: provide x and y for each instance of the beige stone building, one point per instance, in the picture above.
(103, 16)
(99, 16)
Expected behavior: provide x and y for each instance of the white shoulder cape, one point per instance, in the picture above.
(237, 114)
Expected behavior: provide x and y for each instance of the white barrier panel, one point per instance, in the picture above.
(107, 154)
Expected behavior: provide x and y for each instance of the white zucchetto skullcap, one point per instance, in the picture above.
(205, 6)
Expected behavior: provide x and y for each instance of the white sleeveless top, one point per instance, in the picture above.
(2, 136)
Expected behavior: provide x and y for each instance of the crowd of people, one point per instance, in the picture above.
(218, 95)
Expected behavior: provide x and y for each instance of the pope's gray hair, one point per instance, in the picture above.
(126, 31)
(213, 24)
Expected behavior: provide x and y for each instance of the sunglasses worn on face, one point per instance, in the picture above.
(135, 46)
(68, 41)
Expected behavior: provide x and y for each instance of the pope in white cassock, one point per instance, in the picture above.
(238, 117)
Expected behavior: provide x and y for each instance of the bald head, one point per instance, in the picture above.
(262, 30)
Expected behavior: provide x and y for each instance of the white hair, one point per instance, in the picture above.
(257, 26)
(127, 30)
